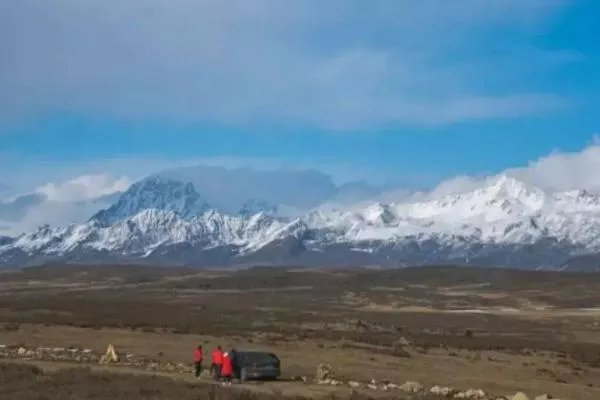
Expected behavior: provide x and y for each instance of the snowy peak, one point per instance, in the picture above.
(507, 188)
(499, 198)
(157, 193)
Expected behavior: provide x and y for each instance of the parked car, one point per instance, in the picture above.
(254, 364)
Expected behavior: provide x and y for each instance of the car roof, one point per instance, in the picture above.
(252, 351)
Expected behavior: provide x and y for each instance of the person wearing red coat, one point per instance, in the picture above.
(198, 360)
(226, 368)
(217, 362)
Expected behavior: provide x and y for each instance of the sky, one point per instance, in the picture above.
(417, 92)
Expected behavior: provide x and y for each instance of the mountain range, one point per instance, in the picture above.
(160, 220)
(289, 192)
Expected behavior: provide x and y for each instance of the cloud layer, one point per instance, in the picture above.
(555, 172)
(83, 188)
(337, 64)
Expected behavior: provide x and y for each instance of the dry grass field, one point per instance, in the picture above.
(499, 330)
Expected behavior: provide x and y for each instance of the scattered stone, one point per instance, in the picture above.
(372, 386)
(353, 384)
(410, 386)
(443, 391)
(520, 396)
(403, 341)
(471, 394)
(324, 371)
(391, 385)
(152, 366)
(21, 352)
(335, 382)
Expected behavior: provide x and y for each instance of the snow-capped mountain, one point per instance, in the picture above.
(154, 192)
(158, 220)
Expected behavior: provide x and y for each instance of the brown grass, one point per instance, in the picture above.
(309, 314)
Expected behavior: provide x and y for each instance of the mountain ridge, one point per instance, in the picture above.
(504, 222)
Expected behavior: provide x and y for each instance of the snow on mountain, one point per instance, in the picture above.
(158, 193)
(494, 220)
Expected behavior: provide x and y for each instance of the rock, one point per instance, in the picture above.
(411, 386)
(391, 385)
(152, 366)
(520, 396)
(170, 367)
(324, 381)
(21, 352)
(334, 382)
(372, 386)
(324, 371)
(442, 391)
(353, 384)
(403, 341)
(471, 394)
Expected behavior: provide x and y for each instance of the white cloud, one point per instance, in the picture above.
(62, 203)
(555, 172)
(86, 187)
(332, 64)
(53, 214)
(564, 171)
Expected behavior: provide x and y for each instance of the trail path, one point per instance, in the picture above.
(281, 387)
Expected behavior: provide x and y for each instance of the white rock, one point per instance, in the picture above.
(471, 394)
(442, 390)
(22, 351)
(353, 384)
(411, 386)
(520, 396)
(372, 387)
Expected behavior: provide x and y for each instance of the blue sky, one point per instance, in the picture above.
(412, 91)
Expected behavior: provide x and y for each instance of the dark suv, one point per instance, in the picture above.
(254, 364)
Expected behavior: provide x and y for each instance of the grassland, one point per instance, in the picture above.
(499, 330)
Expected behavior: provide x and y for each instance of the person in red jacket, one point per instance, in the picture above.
(217, 362)
(226, 369)
(198, 360)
